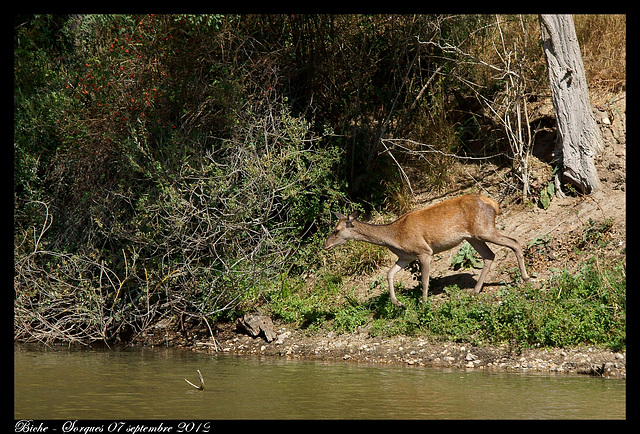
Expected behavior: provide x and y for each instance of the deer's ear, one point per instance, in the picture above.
(339, 216)
(354, 215)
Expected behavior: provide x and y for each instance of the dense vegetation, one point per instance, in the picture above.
(187, 165)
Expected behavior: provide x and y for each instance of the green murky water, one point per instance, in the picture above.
(149, 384)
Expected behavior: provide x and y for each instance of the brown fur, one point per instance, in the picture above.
(422, 233)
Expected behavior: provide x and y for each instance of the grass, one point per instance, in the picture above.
(603, 45)
(585, 308)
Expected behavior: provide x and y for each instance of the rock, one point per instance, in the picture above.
(255, 325)
(281, 337)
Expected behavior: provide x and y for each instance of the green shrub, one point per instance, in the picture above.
(169, 181)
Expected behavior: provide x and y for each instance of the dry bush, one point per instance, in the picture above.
(201, 240)
(487, 78)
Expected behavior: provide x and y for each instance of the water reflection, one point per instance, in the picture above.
(149, 384)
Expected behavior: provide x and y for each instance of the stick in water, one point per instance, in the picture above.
(201, 386)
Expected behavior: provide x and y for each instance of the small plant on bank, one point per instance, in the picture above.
(466, 258)
(595, 233)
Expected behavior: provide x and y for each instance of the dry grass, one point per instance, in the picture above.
(603, 41)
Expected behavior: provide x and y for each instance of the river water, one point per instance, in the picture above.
(149, 384)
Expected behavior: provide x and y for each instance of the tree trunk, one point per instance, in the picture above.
(580, 139)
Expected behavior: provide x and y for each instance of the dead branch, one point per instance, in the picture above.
(201, 386)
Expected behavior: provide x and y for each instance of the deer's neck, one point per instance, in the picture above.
(381, 235)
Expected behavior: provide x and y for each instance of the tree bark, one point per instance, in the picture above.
(580, 139)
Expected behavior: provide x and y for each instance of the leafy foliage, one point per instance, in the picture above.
(172, 182)
(466, 257)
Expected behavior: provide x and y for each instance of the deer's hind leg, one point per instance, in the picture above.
(509, 242)
(487, 259)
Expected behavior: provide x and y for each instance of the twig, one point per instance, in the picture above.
(215, 345)
(431, 149)
(512, 111)
(201, 386)
(404, 175)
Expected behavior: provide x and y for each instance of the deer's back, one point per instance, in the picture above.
(446, 224)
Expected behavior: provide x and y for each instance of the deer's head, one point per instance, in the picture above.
(343, 230)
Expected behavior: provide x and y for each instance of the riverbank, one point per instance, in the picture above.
(360, 347)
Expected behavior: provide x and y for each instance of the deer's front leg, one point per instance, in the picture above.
(399, 265)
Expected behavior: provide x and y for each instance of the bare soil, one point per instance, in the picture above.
(550, 237)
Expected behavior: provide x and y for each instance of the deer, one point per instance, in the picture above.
(420, 234)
